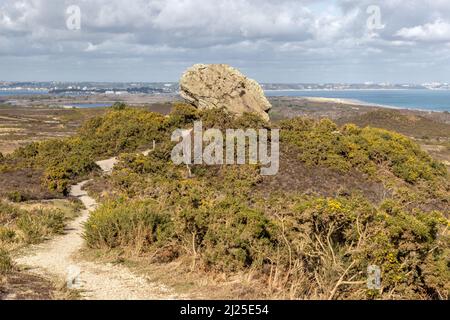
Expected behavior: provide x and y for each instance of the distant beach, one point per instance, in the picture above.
(424, 100)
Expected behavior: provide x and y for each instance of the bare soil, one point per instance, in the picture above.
(25, 286)
(57, 259)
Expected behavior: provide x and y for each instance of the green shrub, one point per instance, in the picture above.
(181, 115)
(304, 246)
(16, 196)
(65, 160)
(250, 120)
(326, 236)
(137, 224)
(411, 243)
(38, 225)
(322, 143)
(301, 245)
(237, 237)
(184, 115)
(118, 106)
(121, 131)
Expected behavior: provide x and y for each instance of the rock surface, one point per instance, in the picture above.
(221, 86)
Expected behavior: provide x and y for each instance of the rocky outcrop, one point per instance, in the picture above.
(221, 86)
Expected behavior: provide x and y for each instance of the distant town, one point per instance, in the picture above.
(156, 88)
(89, 88)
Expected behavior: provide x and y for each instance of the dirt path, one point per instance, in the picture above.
(56, 258)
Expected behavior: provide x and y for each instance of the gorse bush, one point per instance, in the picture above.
(65, 160)
(183, 115)
(221, 219)
(336, 239)
(118, 106)
(303, 246)
(318, 143)
(315, 246)
(133, 224)
(237, 237)
(228, 236)
(121, 130)
(62, 161)
(323, 143)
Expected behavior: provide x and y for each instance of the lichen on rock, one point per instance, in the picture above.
(222, 86)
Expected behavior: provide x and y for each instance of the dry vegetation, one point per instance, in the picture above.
(346, 197)
(22, 125)
(19, 126)
(30, 223)
(431, 130)
(387, 206)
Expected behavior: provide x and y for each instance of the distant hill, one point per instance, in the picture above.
(413, 125)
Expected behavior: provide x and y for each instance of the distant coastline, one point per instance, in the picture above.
(413, 99)
(426, 100)
(359, 103)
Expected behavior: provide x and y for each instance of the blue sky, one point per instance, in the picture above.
(269, 40)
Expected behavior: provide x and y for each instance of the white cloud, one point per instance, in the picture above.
(436, 31)
(255, 34)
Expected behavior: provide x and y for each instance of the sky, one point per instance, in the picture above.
(284, 41)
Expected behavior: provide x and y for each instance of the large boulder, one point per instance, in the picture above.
(208, 86)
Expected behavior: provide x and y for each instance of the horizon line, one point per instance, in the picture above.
(264, 83)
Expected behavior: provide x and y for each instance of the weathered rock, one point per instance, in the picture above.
(219, 85)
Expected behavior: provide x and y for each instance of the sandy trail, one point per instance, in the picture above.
(56, 259)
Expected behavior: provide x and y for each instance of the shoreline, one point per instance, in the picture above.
(355, 89)
(355, 102)
(64, 102)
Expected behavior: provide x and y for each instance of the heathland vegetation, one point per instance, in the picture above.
(227, 219)
(23, 224)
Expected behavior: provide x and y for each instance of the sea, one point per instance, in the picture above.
(418, 99)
